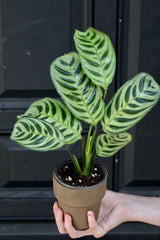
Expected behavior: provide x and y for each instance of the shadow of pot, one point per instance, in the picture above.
(77, 201)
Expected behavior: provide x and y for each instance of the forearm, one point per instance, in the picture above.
(142, 209)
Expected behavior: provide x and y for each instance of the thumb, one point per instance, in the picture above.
(95, 229)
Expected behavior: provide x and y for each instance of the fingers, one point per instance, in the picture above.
(73, 233)
(95, 229)
(69, 228)
(59, 218)
(65, 226)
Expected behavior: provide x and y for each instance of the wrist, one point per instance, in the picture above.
(126, 202)
(132, 209)
(141, 209)
(135, 207)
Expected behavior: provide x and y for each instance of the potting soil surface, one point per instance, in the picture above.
(67, 174)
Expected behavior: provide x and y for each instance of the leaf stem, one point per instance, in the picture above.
(90, 152)
(83, 153)
(93, 137)
(105, 93)
(92, 160)
(88, 143)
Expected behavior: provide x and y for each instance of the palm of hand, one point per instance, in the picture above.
(111, 212)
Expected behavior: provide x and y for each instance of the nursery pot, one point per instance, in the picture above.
(77, 201)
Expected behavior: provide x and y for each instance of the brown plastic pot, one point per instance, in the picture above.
(77, 201)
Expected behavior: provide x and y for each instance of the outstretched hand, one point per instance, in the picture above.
(115, 209)
(112, 213)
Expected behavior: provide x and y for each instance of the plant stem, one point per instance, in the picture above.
(104, 96)
(88, 143)
(93, 137)
(92, 160)
(89, 155)
(75, 162)
(83, 154)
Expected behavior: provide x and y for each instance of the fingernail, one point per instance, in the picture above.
(89, 214)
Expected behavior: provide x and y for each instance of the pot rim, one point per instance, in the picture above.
(80, 187)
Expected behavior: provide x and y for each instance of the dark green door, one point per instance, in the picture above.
(32, 34)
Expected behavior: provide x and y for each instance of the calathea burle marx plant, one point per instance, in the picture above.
(82, 80)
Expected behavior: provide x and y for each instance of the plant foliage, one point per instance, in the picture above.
(82, 97)
(56, 114)
(107, 145)
(82, 80)
(37, 134)
(97, 56)
(130, 103)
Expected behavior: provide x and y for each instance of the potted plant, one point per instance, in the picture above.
(82, 80)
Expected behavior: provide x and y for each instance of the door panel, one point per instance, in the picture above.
(139, 164)
(28, 25)
(33, 33)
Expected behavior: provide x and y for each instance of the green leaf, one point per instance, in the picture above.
(82, 97)
(57, 114)
(107, 145)
(97, 56)
(37, 134)
(131, 103)
(75, 162)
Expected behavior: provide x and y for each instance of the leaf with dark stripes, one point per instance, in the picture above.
(57, 114)
(37, 134)
(107, 145)
(131, 103)
(81, 96)
(97, 56)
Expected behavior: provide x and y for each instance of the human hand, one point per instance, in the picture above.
(112, 213)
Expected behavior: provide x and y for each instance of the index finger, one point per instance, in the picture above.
(59, 218)
(95, 229)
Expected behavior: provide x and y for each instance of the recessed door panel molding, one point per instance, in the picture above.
(139, 162)
(27, 25)
(23, 167)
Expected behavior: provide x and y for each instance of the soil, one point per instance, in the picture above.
(68, 175)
